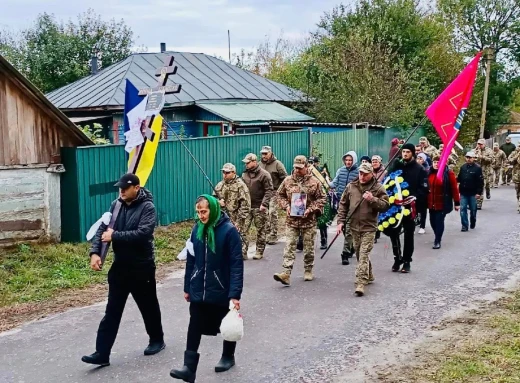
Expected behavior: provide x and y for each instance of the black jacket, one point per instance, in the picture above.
(215, 277)
(471, 180)
(132, 240)
(416, 177)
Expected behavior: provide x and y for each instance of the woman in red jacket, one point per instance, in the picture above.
(443, 194)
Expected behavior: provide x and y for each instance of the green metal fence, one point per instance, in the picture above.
(332, 146)
(87, 185)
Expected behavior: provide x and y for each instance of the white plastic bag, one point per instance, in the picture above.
(232, 326)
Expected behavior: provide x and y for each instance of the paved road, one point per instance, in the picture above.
(310, 332)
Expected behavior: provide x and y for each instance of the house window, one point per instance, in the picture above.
(248, 130)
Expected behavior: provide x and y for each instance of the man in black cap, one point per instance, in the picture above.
(417, 179)
(133, 270)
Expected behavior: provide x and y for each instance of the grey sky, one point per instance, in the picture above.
(193, 25)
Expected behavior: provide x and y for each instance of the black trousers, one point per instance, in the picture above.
(422, 209)
(437, 221)
(141, 284)
(408, 248)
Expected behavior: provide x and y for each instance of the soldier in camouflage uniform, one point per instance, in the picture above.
(507, 172)
(260, 187)
(428, 149)
(234, 198)
(452, 159)
(484, 157)
(278, 173)
(499, 160)
(514, 159)
(310, 204)
(371, 197)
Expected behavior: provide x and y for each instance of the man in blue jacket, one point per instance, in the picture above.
(345, 175)
(133, 270)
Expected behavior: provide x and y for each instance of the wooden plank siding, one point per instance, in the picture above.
(28, 135)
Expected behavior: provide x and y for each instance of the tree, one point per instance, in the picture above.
(95, 134)
(53, 54)
(479, 24)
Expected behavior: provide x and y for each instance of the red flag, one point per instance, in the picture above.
(447, 111)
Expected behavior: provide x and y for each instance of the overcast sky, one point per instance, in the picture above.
(186, 25)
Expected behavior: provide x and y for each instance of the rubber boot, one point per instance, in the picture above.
(188, 372)
(228, 357)
(323, 235)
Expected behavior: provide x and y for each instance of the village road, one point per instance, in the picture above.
(310, 332)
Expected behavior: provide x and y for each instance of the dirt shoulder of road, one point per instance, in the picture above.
(481, 345)
(38, 280)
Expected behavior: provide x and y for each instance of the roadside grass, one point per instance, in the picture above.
(492, 356)
(38, 272)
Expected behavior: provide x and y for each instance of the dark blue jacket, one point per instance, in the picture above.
(215, 277)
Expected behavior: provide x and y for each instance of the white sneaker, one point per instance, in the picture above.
(421, 231)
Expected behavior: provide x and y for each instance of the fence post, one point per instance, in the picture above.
(354, 126)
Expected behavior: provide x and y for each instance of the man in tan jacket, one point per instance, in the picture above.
(260, 187)
(278, 173)
(362, 202)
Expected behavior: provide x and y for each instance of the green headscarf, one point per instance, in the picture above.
(209, 227)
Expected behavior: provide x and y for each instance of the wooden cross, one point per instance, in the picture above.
(155, 102)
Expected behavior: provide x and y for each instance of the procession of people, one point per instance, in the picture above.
(361, 195)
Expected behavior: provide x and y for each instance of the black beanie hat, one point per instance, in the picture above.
(410, 147)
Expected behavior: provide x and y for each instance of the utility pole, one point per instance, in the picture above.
(489, 58)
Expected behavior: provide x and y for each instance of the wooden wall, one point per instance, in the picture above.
(28, 133)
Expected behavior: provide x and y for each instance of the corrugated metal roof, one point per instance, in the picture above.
(253, 111)
(202, 77)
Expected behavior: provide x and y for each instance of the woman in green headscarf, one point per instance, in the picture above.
(214, 276)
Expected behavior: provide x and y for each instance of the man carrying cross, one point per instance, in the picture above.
(131, 227)
(133, 270)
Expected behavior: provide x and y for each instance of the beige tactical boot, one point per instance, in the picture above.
(371, 279)
(360, 290)
(307, 275)
(283, 277)
(258, 255)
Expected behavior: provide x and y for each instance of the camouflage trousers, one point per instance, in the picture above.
(289, 253)
(488, 181)
(517, 189)
(260, 220)
(496, 176)
(272, 220)
(347, 245)
(507, 175)
(363, 244)
(239, 224)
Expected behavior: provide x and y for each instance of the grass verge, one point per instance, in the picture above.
(483, 346)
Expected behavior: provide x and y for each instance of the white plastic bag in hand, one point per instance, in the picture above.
(232, 326)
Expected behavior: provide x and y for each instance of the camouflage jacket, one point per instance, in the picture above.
(499, 159)
(430, 151)
(316, 199)
(484, 158)
(236, 198)
(363, 215)
(514, 159)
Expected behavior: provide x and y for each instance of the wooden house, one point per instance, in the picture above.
(32, 131)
